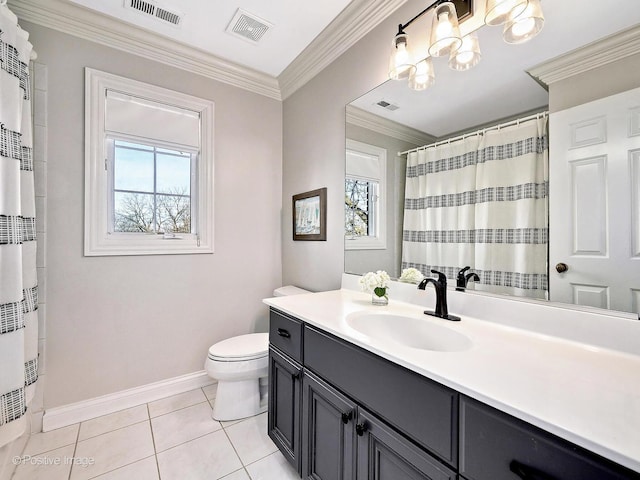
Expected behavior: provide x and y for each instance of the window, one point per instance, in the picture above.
(149, 169)
(365, 187)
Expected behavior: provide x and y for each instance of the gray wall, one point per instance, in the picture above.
(314, 146)
(119, 322)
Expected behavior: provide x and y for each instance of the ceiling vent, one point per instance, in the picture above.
(153, 9)
(387, 106)
(248, 26)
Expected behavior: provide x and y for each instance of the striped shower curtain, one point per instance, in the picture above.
(481, 201)
(18, 283)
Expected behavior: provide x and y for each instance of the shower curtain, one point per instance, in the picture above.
(18, 282)
(481, 201)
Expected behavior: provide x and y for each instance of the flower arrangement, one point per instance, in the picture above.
(377, 283)
(411, 275)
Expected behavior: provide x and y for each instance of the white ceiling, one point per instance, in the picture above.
(499, 86)
(295, 25)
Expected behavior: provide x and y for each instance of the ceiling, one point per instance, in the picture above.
(305, 38)
(203, 23)
(499, 87)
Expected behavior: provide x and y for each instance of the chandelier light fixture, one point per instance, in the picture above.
(522, 20)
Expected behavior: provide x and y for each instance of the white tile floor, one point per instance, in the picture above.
(171, 438)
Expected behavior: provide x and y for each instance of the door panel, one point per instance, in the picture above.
(383, 454)
(284, 406)
(594, 192)
(328, 432)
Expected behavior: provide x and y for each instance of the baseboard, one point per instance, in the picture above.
(95, 407)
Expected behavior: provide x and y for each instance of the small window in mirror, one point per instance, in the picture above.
(365, 187)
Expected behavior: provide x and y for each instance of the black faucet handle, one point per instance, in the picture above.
(462, 270)
(442, 278)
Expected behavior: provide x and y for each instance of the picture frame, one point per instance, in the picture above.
(309, 212)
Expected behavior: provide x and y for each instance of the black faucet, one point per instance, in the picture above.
(441, 310)
(462, 280)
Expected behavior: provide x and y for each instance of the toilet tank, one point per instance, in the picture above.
(289, 290)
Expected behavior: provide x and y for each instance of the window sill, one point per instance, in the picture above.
(141, 244)
(369, 243)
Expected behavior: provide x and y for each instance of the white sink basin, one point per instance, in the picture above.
(409, 331)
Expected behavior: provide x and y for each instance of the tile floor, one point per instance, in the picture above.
(171, 438)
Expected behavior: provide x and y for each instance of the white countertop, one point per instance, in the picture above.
(585, 394)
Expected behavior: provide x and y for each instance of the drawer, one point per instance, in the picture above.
(421, 409)
(490, 441)
(285, 333)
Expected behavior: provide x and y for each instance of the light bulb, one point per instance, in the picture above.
(445, 34)
(523, 27)
(468, 55)
(499, 11)
(401, 61)
(423, 76)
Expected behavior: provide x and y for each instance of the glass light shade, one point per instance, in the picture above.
(401, 61)
(525, 26)
(499, 11)
(468, 55)
(445, 34)
(423, 76)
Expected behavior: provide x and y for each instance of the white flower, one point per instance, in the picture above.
(370, 281)
(411, 275)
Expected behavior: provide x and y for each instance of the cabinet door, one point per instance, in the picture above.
(284, 406)
(384, 454)
(328, 432)
(496, 446)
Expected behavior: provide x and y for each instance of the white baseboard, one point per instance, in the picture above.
(95, 407)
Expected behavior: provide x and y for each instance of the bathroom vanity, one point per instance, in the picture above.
(351, 400)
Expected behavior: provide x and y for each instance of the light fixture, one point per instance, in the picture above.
(468, 55)
(445, 33)
(523, 20)
(423, 76)
(499, 11)
(401, 61)
(524, 26)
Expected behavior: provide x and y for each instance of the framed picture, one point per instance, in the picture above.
(310, 215)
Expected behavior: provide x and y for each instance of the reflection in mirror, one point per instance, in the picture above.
(397, 119)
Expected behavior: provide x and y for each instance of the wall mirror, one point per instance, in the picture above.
(395, 118)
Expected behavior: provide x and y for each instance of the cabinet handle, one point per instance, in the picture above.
(346, 417)
(526, 472)
(361, 428)
(283, 333)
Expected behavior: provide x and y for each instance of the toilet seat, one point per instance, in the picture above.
(241, 348)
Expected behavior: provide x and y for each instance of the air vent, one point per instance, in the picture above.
(248, 26)
(387, 106)
(155, 10)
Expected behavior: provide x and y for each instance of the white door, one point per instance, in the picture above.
(594, 198)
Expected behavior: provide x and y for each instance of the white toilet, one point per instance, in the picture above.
(240, 365)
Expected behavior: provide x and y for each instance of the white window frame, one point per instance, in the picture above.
(98, 239)
(379, 240)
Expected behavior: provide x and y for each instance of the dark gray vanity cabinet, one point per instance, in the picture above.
(340, 412)
(497, 446)
(341, 440)
(383, 454)
(328, 431)
(283, 423)
(285, 385)
(343, 416)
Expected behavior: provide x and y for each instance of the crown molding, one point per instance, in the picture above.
(353, 23)
(81, 22)
(593, 55)
(361, 118)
